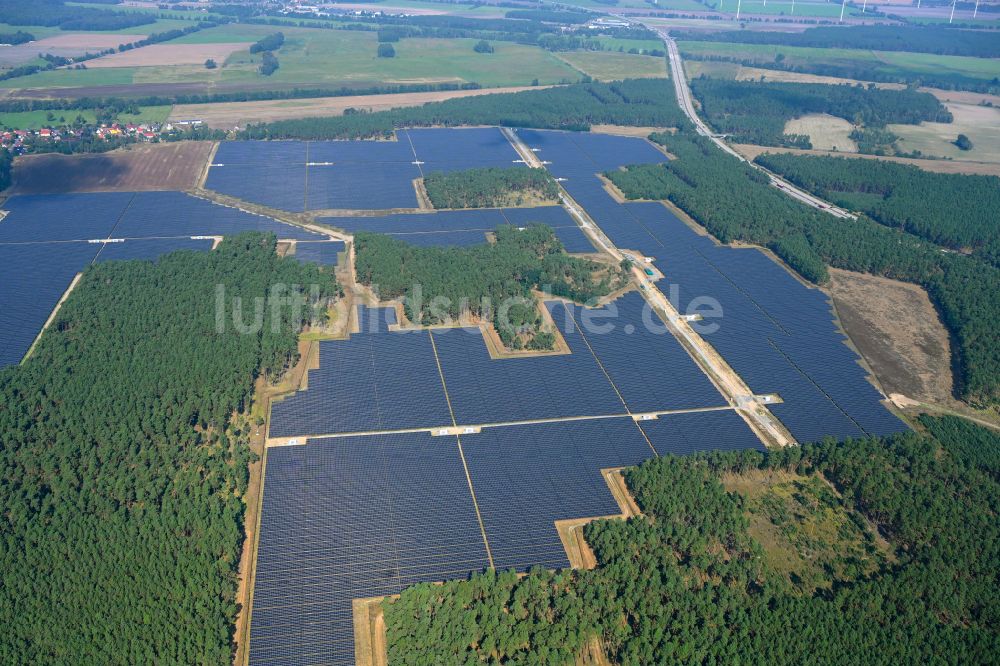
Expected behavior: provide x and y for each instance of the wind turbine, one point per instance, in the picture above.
(842, 6)
(952, 17)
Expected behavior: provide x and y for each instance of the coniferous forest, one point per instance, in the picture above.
(491, 187)
(686, 583)
(756, 112)
(639, 102)
(956, 211)
(735, 202)
(477, 280)
(124, 458)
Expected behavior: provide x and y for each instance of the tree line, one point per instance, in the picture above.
(684, 582)
(491, 187)
(756, 112)
(271, 42)
(438, 284)
(736, 203)
(123, 470)
(956, 211)
(15, 38)
(935, 39)
(68, 17)
(639, 102)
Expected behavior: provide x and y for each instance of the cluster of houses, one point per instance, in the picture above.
(19, 141)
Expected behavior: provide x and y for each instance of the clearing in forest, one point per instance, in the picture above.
(811, 538)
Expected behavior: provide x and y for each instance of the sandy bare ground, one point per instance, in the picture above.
(897, 330)
(825, 132)
(157, 55)
(936, 166)
(149, 167)
(231, 114)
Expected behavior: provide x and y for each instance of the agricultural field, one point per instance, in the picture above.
(61, 117)
(320, 58)
(825, 132)
(225, 115)
(884, 63)
(160, 166)
(614, 66)
(980, 123)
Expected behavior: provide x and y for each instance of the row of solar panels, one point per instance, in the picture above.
(44, 243)
(362, 175)
(777, 334)
(390, 381)
(363, 516)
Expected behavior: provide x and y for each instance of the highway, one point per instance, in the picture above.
(687, 105)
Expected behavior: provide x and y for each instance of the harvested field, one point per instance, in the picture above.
(980, 123)
(162, 166)
(65, 45)
(231, 114)
(825, 132)
(935, 166)
(896, 328)
(159, 55)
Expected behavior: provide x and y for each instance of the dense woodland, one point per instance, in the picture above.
(686, 583)
(124, 459)
(6, 163)
(639, 102)
(954, 210)
(491, 187)
(936, 39)
(69, 17)
(438, 284)
(735, 202)
(756, 112)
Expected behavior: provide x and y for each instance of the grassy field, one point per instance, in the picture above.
(980, 123)
(897, 63)
(332, 58)
(809, 535)
(825, 132)
(782, 8)
(613, 66)
(37, 119)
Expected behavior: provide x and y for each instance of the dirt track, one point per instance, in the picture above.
(225, 115)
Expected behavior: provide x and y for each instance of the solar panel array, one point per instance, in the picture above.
(320, 252)
(648, 366)
(377, 381)
(351, 175)
(45, 240)
(776, 333)
(690, 432)
(354, 517)
(370, 382)
(526, 477)
(462, 228)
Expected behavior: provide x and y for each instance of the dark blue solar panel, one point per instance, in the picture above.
(33, 277)
(467, 148)
(361, 151)
(321, 252)
(52, 217)
(362, 186)
(275, 183)
(527, 477)
(257, 152)
(354, 517)
(446, 220)
(647, 364)
(150, 248)
(691, 432)
(487, 390)
(382, 381)
(444, 238)
(574, 240)
(154, 214)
